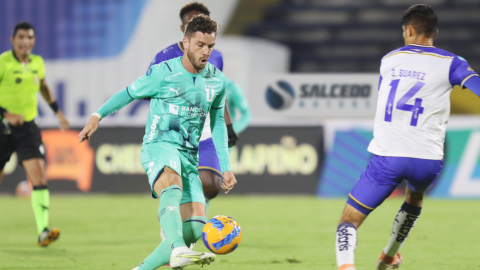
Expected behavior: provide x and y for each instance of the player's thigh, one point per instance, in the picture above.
(192, 186)
(35, 168)
(7, 147)
(161, 161)
(211, 183)
(209, 169)
(28, 142)
(377, 182)
(424, 173)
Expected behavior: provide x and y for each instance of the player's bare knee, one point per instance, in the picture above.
(166, 179)
(352, 215)
(414, 198)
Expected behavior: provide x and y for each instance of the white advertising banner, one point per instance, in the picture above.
(314, 95)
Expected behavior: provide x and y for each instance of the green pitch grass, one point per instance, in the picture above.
(118, 232)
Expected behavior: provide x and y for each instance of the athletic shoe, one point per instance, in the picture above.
(183, 256)
(386, 262)
(47, 237)
(347, 267)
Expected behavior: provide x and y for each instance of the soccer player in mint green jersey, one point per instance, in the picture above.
(22, 76)
(237, 102)
(183, 91)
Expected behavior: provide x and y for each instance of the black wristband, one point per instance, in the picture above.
(2, 112)
(54, 106)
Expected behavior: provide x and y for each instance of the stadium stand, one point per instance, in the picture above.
(353, 35)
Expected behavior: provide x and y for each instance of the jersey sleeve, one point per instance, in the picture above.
(237, 97)
(2, 69)
(147, 86)
(41, 72)
(460, 71)
(219, 131)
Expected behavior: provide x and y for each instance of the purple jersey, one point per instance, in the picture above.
(174, 51)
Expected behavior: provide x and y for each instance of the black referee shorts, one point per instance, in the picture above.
(25, 140)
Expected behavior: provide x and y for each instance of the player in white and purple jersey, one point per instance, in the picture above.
(409, 133)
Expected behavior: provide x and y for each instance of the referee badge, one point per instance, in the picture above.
(36, 80)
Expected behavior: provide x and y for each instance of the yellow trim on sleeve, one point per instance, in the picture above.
(210, 169)
(360, 202)
(431, 54)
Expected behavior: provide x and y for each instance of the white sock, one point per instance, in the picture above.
(402, 225)
(346, 243)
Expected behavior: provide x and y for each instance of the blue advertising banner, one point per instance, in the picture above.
(347, 157)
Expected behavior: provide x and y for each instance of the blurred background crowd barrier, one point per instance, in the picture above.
(309, 69)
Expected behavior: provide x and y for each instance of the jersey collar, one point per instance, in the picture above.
(424, 46)
(14, 55)
(193, 74)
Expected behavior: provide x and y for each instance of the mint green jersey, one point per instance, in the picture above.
(180, 101)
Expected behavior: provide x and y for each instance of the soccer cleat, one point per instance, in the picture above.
(347, 267)
(47, 237)
(386, 262)
(184, 256)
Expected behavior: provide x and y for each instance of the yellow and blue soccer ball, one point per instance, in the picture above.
(221, 234)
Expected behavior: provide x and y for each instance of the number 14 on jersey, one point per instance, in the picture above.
(416, 108)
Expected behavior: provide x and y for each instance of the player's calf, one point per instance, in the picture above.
(346, 237)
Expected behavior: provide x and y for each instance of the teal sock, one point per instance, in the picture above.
(207, 206)
(169, 215)
(159, 257)
(192, 231)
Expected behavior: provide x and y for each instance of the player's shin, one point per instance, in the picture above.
(40, 205)
(192, 229)
(169, 215)
(345, 245)
(402, 225)
(159, 257)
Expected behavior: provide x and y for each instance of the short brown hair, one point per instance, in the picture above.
(200, 23)
(195, 6)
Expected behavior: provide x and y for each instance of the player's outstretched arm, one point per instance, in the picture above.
(241, 102)
(113, 104)
(473, 84)
(89, 129)
(48, 97)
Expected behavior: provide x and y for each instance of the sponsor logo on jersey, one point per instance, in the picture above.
(153, 127)
(170, 77)
(173, 109)
(470, 69)
(149, 71)
(176, 91)
(192, 112)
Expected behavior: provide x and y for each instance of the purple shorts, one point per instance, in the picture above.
(207, 157)
(384, 174)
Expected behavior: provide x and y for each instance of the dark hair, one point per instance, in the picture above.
(200, 7)
(22, 25)
(200, 23)
(422, 18)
